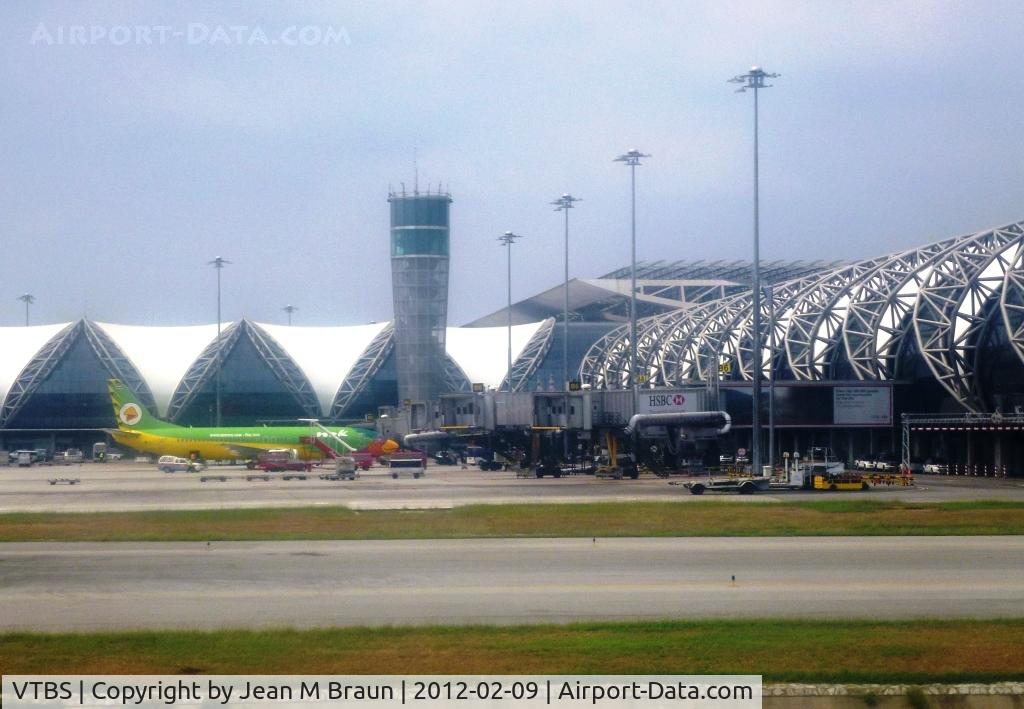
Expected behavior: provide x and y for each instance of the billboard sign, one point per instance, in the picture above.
(862, 406)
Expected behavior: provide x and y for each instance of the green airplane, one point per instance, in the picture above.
(137, 428)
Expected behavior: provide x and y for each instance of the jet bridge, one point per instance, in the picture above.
(670, 427)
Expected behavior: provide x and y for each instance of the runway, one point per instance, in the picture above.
(84, 586)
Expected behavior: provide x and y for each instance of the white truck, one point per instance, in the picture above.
(414, 464)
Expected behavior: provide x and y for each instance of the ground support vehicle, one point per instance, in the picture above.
(414, 464)
(551, 468)
(345, 468)
(878, 479)
(624, 467)
(218, 478)
(483, 458)
(742, 485)
(446, 458)
(174, 464)
(556, 469)
(70, 456)
(64, 481)
(615, 465)
(282, 460)
(258, 476)
(841, 481)
(363, 461)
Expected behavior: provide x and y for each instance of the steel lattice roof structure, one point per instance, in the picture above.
(324, 369)
(662, 286)
(867, 320)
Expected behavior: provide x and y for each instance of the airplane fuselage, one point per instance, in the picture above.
(234, 442)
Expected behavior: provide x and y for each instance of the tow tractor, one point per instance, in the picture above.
(796, 475)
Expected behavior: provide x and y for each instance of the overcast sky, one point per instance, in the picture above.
(164, 134)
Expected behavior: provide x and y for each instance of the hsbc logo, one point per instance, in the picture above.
(670, 401)
(656, 401)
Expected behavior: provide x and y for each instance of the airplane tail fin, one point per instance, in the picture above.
(130, 414)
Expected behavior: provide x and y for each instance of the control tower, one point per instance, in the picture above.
(419, 282)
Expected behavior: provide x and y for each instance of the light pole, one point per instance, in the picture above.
(219, 264)
(564, 204)
(754, 79)
(507, 239)
(27, 299)
(770, 295)
(632, 158)
(289, 309)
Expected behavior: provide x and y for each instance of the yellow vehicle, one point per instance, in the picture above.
(840, 481)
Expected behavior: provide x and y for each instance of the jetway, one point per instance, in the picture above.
(580, 411)
(583, 430)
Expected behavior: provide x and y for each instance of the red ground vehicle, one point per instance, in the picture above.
(363, 460)
(285, 459)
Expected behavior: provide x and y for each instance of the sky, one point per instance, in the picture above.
(140, 140)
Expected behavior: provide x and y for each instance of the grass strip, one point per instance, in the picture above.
(599, 519)
(781, 650)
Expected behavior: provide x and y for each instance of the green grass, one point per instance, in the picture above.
(797, 651)
(599, 519)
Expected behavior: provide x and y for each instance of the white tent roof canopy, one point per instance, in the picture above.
(325, 355)
(482, 352)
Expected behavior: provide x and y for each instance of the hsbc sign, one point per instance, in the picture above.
(654, 402)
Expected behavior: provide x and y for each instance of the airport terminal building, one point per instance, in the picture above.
(936, 333)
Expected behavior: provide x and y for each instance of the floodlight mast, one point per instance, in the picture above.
(290, 309)
(507, 239)
(219, 264)
(564, 204)
(28, 299)
(769, 293)
(632, 159)
(755, 80)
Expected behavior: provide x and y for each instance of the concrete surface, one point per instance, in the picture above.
(50, 586)
(132, 486)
